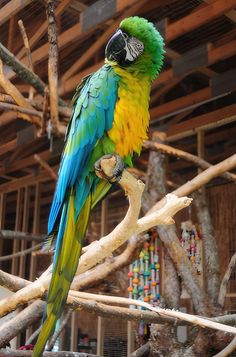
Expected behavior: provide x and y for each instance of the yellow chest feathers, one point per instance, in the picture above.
(131, 117)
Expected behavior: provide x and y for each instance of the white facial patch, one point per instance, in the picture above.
(133, 48)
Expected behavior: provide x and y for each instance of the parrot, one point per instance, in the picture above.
(110, 116)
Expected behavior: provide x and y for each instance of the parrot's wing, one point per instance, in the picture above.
(93, 115)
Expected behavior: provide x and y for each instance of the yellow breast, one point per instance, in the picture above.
(131, 116)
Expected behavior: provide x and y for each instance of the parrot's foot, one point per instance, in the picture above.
(115, 167)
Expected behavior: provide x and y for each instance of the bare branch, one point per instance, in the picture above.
(7, 234)
(196, 320)
(23, 72)
(21, 253)
(12, 282)
(21, 321)
(196, 160)
(52, 63)
(225, 280)
(227, 350)
(18, 97)
(200, 180)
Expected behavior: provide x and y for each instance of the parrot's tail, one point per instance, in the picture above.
(64, 267)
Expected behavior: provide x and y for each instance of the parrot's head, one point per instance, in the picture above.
(136, 46)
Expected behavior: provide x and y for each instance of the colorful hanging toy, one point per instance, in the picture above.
(144, 275)
(191, 241)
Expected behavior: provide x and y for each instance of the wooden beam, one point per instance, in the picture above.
(206, 121)
(180, 103)
(198, 18)
(25, 180)
(12, 8)
(9, 146)
(201, 56)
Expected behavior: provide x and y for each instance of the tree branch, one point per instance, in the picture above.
(21, 253)
(196, 160)
(102, 249)
(23, 72)
(225, 280)
(228, 349)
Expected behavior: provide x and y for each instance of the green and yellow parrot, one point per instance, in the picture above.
(111, 115)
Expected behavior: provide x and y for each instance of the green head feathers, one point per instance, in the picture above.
(137, 46)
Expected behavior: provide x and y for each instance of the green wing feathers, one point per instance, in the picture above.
(64, 269)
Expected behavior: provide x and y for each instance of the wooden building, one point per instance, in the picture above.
(193, 101)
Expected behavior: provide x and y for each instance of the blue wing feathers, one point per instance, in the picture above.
(92, 116)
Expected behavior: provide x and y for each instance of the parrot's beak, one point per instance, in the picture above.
(116, 47)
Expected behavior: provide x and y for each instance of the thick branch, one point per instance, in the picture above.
(211, 257)
(200, 180)
(197, 320)
(225, 280)
(52, 63)
(196, 160)
(12, 282)
(21, 321)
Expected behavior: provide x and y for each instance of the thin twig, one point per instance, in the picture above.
(19, 109)
(225, 280)
(28, 52)
(19, 254)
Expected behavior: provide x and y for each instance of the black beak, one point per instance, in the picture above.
(116, 48)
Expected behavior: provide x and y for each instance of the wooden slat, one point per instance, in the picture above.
(18, 227)
(25, 227)
(198, 18)
(25, 180)
(212, 119)
(12, 8)
(9, 146)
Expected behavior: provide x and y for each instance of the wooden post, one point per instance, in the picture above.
(25, 225)
(18, 224)
(36, 222)
(130, 340)
(74, 333)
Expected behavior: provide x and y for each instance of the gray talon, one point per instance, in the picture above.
(117, 172)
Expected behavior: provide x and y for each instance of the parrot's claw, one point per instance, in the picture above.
(116, 172)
